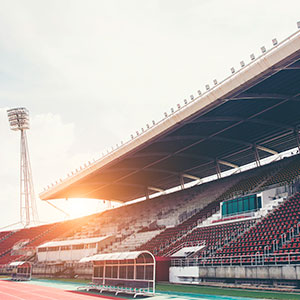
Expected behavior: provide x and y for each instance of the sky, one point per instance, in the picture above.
(92, 72)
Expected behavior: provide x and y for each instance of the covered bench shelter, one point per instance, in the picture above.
(21, 270)
(123, 272)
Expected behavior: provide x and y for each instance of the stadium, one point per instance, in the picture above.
(218, 181)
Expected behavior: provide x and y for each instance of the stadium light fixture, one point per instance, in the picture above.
(18, 118)
(192, 97)
(232, 70)
(263, 49)
(19, 121)
(215, 82)
(199, 93)
(207, 87)
(242, 63)
(252, 56)
(274, 42)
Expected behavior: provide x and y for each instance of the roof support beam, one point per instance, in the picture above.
(236, 119)
(155, 189)
(249, 96)
(265, 149)
(148, 169)
(199, 137)
(228, 164)
(192, 177)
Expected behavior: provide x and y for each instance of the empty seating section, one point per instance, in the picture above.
(206, 207)
(132, 242)
(243, 183)
(287, 174)
(162, 223)
(32, 237)
(214, 236)
(269, 234)
(170, 235)
(255, 178)
(289, 251)
(156, 213)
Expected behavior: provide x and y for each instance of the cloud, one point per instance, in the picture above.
(50, 142)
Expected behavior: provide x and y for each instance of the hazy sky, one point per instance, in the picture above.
(93, 72)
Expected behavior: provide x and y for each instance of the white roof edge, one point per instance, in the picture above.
(73, 242)
(18, 263)
(264, 62)
(115, 256)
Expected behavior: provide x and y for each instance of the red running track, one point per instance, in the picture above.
(10, 290)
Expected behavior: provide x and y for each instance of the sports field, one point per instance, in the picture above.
(62, 289)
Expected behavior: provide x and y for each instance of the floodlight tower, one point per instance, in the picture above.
(19, 121)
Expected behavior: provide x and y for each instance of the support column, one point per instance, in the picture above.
(182, 182)
(296, 132)
(147, 193)
(218, 169)
(256, 154)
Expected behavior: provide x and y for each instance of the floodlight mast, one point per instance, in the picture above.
(19, 121)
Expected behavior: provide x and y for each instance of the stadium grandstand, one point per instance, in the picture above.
(219, 183)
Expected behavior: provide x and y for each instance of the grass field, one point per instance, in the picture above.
(165, 287)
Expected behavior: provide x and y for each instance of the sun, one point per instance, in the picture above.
(79, 207)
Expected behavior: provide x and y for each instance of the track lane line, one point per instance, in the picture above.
(54, 292)
(10, 296)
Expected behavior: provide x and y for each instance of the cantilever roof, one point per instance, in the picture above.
(258, 107)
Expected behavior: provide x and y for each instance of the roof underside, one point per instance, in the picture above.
(263, 111)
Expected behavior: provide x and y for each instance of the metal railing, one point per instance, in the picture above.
(257, 259)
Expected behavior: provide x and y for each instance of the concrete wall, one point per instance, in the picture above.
(194, 274)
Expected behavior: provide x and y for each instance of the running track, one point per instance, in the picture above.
(10, 290)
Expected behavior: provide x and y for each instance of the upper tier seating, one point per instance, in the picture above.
(256, 177)
(287, 174)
